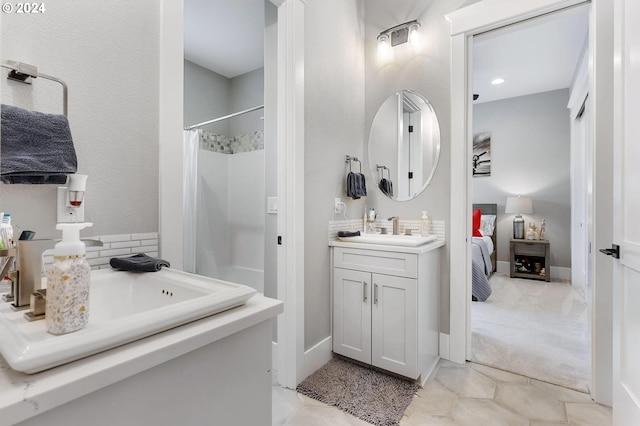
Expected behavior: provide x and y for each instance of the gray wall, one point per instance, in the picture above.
(113, 108)
(246, 91)
(530, 155)
(428, 73)
(334, 127)
(206, 96)
(344, 86)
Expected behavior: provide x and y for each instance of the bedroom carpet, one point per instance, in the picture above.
(533, 328)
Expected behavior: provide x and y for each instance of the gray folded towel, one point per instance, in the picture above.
(37, 148)
(138, 263)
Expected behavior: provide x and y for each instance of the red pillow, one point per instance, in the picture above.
(475, 228)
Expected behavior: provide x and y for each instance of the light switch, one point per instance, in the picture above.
(272, 205)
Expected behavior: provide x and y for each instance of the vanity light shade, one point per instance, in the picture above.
(518, 206)
(385, 52)
(414, 36)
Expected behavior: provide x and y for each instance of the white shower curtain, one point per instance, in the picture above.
(190, 197)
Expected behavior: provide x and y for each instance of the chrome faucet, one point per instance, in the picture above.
(395, 224)
(26, 278)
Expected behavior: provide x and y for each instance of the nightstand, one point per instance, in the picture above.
(530, 259)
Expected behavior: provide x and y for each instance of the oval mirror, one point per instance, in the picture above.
(404, 145)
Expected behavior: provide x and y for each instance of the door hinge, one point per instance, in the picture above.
(279, 240)
(410, 129)
(410, 175)
(614, 251)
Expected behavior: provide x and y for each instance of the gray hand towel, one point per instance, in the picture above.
(356, 186)
(138, 263)
(37, 148)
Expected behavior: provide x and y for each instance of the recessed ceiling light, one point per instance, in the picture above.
(497, 81)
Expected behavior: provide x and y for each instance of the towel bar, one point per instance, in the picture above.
(25, 73)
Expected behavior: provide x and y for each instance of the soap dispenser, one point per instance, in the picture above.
(68, 282)
(425, 224)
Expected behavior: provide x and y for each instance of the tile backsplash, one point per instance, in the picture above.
(437, 227)
(116, 246)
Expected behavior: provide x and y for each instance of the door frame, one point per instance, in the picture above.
(290, 146)
(485, 16)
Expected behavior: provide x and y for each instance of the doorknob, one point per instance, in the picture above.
(614, 251)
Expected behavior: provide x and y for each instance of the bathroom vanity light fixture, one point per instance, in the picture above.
(407, 32)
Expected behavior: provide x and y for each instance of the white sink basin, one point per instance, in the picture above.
(390, 239)
(124, 307)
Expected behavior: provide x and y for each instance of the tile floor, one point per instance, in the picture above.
(470, 394)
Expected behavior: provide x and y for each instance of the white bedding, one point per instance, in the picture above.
(489, 242)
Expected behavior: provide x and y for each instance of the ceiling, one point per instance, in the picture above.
(225, 36)
(534, 56)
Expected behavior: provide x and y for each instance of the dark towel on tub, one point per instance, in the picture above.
(37, 148)
(138, 263)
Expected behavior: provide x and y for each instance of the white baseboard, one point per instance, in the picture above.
(444, 346)
(557, 272)
(317, 356)
(560, 273)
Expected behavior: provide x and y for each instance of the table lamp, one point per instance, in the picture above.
(518, 206)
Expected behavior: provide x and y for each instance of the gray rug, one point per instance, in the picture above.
(367, 394)
(535, 329)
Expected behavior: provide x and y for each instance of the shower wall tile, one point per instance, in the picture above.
(253, 141)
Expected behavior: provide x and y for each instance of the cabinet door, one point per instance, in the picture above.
(352, 314)
(394, 339)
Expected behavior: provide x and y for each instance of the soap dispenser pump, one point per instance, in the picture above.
(68, 282)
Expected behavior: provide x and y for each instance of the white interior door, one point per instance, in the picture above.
(626, 321)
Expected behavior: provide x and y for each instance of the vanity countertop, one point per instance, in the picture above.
(381, 247)
(25, 395)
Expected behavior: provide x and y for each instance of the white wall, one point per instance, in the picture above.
(530, 156)
(113, 108)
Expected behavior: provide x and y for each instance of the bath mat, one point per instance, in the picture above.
(367, 394)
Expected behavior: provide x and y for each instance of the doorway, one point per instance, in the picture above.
(482, 17)
(523, 76)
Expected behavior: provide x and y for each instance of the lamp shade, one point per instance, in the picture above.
(519, 205)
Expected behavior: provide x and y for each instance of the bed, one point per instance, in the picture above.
(483, 251)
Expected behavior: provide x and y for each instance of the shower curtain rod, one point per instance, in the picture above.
(235, 114)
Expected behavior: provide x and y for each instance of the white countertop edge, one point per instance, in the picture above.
(381, 247)
(23, 396)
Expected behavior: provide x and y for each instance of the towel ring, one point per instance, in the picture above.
(349, 159)
(381, 170)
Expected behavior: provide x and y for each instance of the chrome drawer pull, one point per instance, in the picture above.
(364, 293)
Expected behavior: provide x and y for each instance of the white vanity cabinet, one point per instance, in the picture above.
(385, 307)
